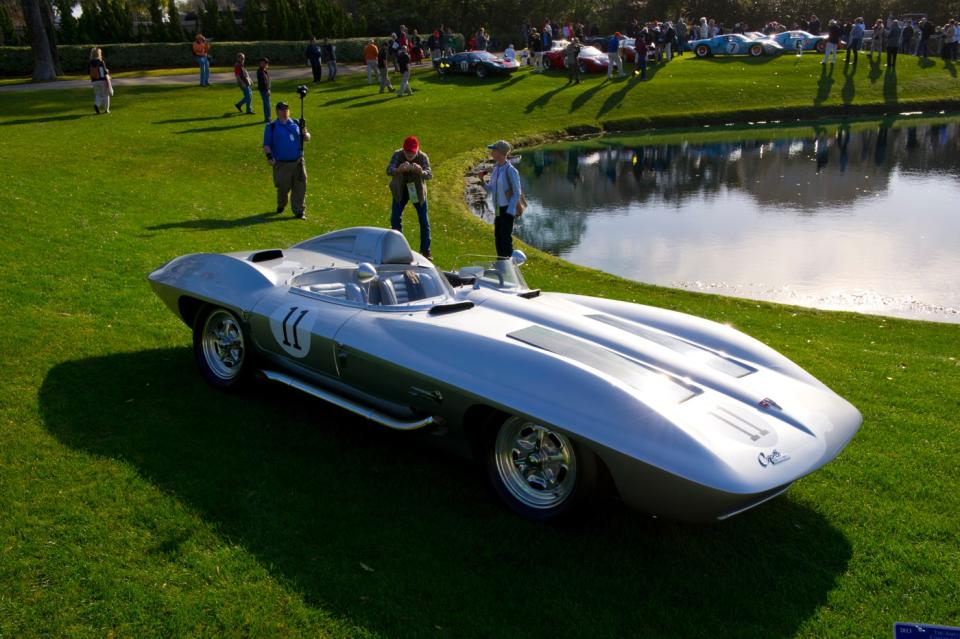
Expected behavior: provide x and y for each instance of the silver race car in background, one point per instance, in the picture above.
(690, 419)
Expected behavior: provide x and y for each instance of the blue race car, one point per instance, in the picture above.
(800, 41)
(735, 44)
(479, 63)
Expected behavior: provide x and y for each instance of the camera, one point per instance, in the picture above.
(302, 90)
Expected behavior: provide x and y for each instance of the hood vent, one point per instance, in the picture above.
(645, 379)
(693, 351)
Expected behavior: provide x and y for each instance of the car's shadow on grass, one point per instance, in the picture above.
(390, 531)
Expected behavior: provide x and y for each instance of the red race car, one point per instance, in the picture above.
(590, 59)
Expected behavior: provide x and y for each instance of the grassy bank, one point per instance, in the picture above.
(137, 502)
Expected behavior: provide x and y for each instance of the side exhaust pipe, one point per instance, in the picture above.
(346, 404)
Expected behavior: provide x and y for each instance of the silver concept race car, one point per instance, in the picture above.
(556, 393)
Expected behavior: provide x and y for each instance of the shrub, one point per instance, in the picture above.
(18, 61)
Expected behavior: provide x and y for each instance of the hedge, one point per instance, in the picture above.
(74, 58)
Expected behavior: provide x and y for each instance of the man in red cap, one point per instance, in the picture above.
(409, 169)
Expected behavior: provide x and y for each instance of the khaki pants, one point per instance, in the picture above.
(405, 84)
(385, 84)
(101, 95)
(614, 62)
(287, 177)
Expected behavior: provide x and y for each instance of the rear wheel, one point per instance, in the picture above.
(546, 63)
(821, 46)
(220, 347)
(538, 472)
(756, 50)
(582, 65)
(702, 51)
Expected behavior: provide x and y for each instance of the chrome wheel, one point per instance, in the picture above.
(222, 345)
(536, 465)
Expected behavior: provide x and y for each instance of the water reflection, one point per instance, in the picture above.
(853, 217)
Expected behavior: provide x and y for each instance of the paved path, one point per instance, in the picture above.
(279, 73)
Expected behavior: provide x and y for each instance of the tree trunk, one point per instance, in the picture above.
(44, 68)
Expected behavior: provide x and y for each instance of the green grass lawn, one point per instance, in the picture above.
(137, 502)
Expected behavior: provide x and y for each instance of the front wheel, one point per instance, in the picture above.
(582, 66)
(702, 51)
(481, 71)
(821, 46)
(546, 63)
(756, 51)
(220, 347)
(538, 472)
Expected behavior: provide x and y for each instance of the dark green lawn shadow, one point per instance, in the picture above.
(617, 96)
(216, 225)
(739, 59)
(206, 118)
(514, 78)
(380, 98)
(875, 71)
(890, 86)
(925, 63)
(951, 68)
(254, 121)
(52, 118)
(824, 84)
(349, 98)
(849, 89)
(312, 492)
(586, 95)
(542, 101)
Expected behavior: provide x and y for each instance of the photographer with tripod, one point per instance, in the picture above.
(283, 145)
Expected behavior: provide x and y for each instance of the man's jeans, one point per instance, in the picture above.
(247, 99)
(204, 70)
(266, 105)
(396, 221)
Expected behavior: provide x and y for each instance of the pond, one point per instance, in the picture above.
(861, 216)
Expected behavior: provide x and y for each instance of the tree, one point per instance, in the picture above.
(209, 24)
(157, 30)
(8, 34)
(254, 24)
(69, 29)
(175, 27)
(46, 63)
(278, 19)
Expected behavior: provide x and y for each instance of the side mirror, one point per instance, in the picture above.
(366, 272)
(518, 257)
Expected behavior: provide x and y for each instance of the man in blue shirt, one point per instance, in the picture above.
(613, 53)
(283, 145)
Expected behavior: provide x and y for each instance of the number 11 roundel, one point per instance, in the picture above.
(291, 326)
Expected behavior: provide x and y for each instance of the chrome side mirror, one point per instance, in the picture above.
(518, 257)
(366, 272)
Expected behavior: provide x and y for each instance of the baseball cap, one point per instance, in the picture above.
(411, 144)
(282, 105)
(500, 145)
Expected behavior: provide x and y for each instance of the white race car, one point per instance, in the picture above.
(690, 419)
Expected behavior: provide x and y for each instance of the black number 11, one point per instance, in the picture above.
(296, 340)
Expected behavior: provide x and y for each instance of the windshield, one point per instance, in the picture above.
(491, 272)
(485, 55)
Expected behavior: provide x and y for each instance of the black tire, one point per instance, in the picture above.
(821, 46)
(481, 71)
(702, 51)
(756, 51)
(547, 65)
(582, 65)
(542, 491)
(221, 348)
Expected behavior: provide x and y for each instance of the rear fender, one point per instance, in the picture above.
(212, 278)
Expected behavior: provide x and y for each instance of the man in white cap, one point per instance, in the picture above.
(504, 185)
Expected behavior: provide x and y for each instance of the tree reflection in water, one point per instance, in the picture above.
(836, 171)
